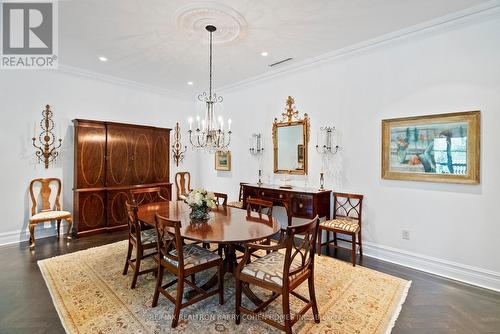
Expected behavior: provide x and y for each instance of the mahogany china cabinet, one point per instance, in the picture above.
(110, 159)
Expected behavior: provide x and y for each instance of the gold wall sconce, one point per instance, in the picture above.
(47, 146)
(177, 150)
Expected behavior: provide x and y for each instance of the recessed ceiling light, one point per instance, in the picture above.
(264, 53)
(103, 59)
(190, 83)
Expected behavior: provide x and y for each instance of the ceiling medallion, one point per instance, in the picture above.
(194, 17)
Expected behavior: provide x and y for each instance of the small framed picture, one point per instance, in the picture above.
(223, 160)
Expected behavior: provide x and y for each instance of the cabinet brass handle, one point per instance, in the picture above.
(301, 205)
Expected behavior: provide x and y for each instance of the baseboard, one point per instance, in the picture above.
(15, 237)
(468, 274)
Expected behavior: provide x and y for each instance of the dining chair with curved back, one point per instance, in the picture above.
(182, 184)
(142, 240)
(48, 212)
(148, 195)
(290, 263)
(182, 261)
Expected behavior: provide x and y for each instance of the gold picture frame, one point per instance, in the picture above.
(223, 160)
(433, 148)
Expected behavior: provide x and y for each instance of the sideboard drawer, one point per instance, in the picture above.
(302, 205)
(272, 195)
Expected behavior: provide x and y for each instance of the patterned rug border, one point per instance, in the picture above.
(59, 304)
(398, 307)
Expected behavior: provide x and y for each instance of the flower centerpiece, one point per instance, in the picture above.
(200, 201)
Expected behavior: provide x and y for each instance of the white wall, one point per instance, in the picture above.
(454, 229)
(23, 95)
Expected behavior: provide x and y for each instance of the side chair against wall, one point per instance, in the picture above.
(182, 184)
(290, 263)
(182, 261)
(48, 211)
(144, 242)
(347, 210)
(239, 203)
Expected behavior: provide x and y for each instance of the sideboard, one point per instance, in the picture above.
(110, 159)
(300, 202)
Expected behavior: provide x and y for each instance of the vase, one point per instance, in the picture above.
(199, 213)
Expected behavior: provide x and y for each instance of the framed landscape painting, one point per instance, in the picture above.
(223, 160)
(435, 148)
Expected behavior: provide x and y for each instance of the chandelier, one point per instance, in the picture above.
(210, 133)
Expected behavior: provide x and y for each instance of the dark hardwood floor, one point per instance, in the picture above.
(434, 304)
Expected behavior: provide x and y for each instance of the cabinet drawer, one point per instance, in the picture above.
(302, 205)
(272, 195)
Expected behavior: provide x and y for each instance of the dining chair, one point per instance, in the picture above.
(220, 199)
(182, 261)
(239, 203)
(287, 266)
(48, 212)
(346, 220)
(182, 184)
(148, 195)
(140, 239)
(264, 209)
(221, 203)
(259, 206)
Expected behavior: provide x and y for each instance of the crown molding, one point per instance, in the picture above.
(444, 22)
(77, 71)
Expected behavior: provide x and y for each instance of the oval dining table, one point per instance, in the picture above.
(228, 227)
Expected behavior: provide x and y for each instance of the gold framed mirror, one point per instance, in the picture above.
(290, 141)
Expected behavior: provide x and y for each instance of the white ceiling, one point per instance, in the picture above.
(162, 43)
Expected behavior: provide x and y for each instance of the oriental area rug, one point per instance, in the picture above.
(91, 295)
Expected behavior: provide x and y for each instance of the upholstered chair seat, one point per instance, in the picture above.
(50, 215)
(194, 255)
(237, 205)
(269, 268)
(342, 224)
(148, 236)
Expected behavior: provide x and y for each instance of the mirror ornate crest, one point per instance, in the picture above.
(290, 140)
